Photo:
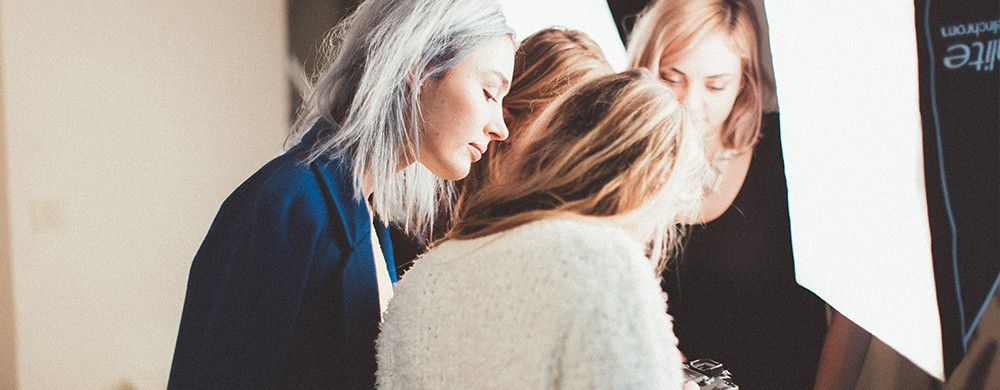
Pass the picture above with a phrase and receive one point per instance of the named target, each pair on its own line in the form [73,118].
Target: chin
[457,175]
[454,173]
[447,170]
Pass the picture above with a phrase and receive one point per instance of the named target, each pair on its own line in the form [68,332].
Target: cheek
[722,106]
[443,120]
[464,119]
[679,91]
[467,112]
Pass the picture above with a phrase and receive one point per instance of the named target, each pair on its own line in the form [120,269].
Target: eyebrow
[504,83]
[709,77]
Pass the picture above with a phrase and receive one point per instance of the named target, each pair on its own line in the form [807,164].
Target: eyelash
[670,81]
[489,96]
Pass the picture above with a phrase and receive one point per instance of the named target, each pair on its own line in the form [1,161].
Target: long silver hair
[376,61]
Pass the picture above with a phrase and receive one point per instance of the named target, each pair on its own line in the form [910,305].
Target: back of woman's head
[546,65]
[608,147]
[668,29]
[368,94]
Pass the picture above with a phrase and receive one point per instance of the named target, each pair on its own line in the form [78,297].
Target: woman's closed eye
[671,79]
[489,96]
[717,86]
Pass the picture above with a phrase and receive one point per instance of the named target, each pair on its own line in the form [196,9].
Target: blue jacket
[282,292]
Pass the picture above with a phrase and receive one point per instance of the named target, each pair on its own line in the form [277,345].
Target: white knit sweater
[556,304]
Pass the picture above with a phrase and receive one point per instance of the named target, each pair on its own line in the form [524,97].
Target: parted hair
[667,29]
[367,93]
[608,147]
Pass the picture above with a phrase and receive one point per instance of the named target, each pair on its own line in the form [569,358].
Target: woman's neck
[635,225]
[369,189]
[369,184]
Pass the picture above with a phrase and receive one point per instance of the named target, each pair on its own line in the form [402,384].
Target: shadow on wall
[8,362]
[309,21]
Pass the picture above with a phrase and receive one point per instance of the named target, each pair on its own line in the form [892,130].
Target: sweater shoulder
[596,244]
[576,250]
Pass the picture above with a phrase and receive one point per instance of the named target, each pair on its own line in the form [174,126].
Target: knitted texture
[565,304]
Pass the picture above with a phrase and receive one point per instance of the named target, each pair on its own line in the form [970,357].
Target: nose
[693,101]
[497,128]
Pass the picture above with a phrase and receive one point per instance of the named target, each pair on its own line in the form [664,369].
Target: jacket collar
[336,174]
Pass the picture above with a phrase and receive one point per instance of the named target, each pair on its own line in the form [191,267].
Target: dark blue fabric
[282,292]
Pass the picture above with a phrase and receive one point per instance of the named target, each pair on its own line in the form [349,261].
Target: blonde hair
[667,29]
[546,65]
[608,147]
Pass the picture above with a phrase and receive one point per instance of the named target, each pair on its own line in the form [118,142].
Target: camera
[709,375]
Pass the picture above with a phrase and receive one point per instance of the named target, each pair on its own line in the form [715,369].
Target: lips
[477,151]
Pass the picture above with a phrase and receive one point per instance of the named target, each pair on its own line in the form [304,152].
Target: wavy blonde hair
[546,65]
[604,149]
[667,29]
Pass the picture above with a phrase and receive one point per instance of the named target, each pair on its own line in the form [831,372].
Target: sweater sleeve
[621,336]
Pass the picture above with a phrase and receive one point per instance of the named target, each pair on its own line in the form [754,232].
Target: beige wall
[8,350]
[126,125]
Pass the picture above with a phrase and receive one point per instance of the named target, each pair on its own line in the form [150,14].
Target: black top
[732,291]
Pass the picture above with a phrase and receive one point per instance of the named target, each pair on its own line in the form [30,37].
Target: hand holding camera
[709,374]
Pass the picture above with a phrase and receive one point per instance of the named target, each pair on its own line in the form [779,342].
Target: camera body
[709,375]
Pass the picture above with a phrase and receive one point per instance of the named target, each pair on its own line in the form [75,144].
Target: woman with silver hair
[288,288]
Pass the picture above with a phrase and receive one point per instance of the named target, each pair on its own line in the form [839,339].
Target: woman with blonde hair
[545,281]
[288,288]
[733,292]
[546,65]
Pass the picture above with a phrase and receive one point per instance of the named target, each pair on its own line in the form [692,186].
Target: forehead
[491,54]
[712,56]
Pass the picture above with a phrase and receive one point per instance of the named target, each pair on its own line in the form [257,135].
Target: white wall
[126,125]
[592,17]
